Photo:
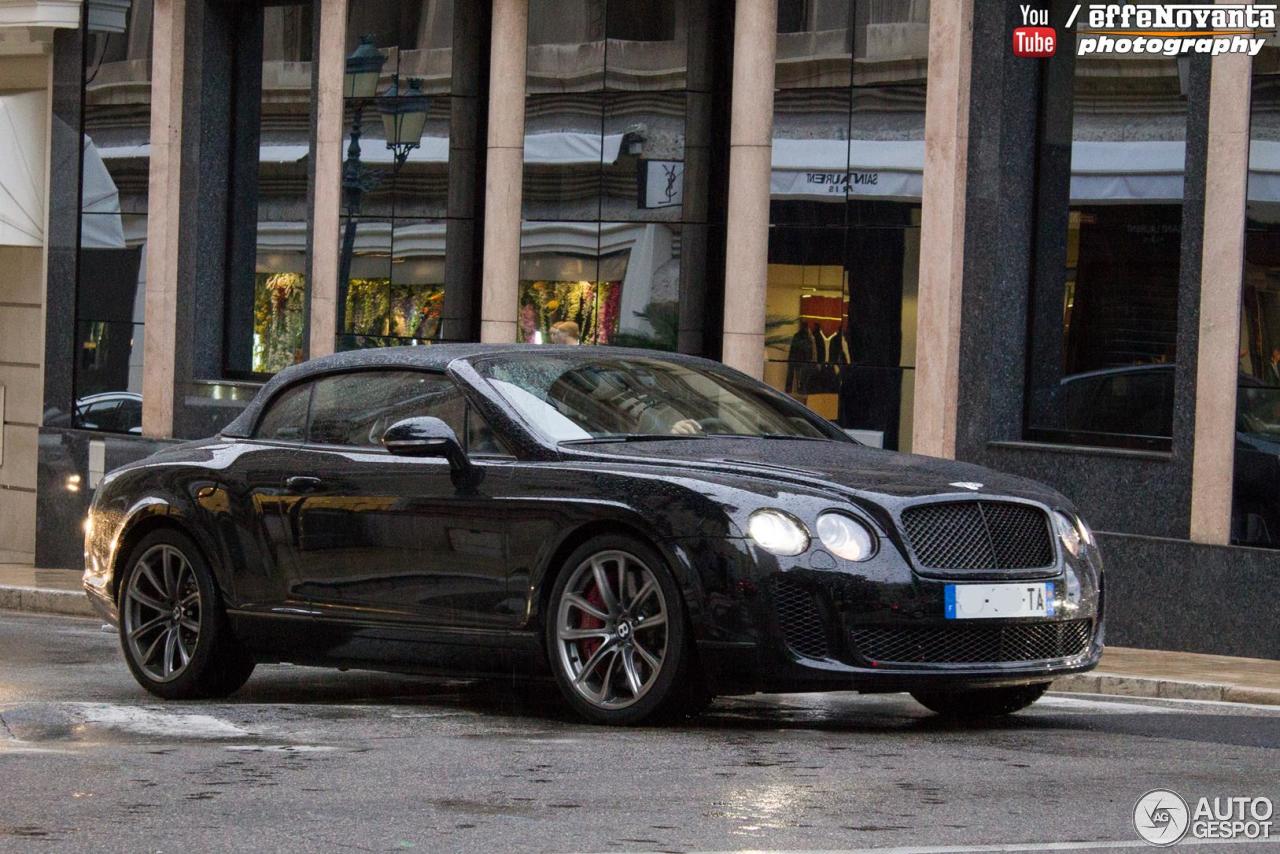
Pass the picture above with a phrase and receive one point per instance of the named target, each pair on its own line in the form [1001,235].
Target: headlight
[1068,533]
[777,532]
[846,537]
[1086,534]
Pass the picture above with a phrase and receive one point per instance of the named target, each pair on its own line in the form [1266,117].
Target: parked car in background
[648,530]
[109,411]
[1136,402]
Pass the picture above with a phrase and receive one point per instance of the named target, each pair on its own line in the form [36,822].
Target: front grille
[979,535]
[973,644]
[803,627]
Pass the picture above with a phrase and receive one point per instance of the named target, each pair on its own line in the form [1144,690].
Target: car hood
[847,467]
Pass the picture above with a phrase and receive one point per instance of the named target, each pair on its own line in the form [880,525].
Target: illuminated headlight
[777,532]
[1068,533]
[845,537]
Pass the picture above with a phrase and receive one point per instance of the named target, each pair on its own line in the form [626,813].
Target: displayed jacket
[801,354]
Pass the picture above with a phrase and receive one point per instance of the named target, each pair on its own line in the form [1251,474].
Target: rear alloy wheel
[976,703]
[174,633]
[616,633]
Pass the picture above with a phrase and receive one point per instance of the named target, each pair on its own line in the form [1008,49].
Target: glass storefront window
[266,291]
[618,135]
[395,290]
[848,162]
[409,203]
[1104,304]
[114,171]
[1255,518]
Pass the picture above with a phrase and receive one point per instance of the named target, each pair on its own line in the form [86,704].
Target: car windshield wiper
[633,437]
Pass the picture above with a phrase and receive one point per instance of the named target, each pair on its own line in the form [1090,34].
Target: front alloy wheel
[162,613]
[173,629]
[616,633]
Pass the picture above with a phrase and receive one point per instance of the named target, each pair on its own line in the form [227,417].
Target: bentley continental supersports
[647,530]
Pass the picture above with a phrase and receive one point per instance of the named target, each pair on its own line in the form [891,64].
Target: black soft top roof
[435,357]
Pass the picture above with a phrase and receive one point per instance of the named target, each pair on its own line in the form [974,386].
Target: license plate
[985,601]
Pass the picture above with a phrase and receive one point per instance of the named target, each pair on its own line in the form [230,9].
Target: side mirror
[427,436]
[424,437]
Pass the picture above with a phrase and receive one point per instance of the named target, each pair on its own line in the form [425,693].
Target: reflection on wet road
[318,760]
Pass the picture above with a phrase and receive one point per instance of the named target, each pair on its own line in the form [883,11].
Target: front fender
[115,522]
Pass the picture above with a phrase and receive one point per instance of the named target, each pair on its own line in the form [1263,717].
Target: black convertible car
[649,530]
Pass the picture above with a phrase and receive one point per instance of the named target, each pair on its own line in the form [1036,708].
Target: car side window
[101,416]
[130,415]
[355,409]
[481,438]
[286,417]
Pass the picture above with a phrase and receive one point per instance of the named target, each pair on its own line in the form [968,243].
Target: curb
[1164,689]
[33,600]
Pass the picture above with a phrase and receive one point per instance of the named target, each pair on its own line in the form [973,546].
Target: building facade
[1056,267]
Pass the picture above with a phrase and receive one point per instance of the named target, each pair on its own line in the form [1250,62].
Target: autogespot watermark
[1164,29]
[1163,818]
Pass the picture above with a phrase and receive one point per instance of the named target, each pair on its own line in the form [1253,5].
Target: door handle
[303,484]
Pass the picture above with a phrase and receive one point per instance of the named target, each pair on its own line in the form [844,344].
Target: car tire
[597,663]
[173,627]
[977,703]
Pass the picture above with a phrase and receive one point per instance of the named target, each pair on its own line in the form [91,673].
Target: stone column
[161,311]
[331,65]
[1221,274]
[504,172]
[750,164]
[942,218]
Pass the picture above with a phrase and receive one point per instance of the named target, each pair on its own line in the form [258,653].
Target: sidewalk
[42,591]
[1124,671]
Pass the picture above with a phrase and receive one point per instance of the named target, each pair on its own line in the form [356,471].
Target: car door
[395,538]
[271,499]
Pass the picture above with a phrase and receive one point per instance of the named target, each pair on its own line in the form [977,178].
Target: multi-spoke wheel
[162,612]
[616,632]
[174,633]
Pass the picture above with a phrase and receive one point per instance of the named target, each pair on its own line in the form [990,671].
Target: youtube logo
[1034,42]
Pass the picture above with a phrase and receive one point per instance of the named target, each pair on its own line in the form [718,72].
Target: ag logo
[1161,817]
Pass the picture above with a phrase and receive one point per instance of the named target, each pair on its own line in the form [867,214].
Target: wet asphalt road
[312,760]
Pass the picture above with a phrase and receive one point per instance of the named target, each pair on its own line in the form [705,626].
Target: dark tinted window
[481,438]
[1127,401]
[357,408]
[1104,298]
[286,417]
[100,415]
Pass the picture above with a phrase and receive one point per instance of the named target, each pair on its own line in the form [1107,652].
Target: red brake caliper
[586,621]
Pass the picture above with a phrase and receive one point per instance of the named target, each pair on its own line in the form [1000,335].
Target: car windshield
[1259,411]
[591,398]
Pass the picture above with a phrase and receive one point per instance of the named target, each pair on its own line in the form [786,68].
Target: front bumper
[879,626]
[100,599]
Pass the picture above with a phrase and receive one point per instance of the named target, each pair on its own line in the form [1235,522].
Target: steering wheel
[714,425]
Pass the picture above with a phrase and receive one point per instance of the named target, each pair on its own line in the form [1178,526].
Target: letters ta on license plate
[983,601]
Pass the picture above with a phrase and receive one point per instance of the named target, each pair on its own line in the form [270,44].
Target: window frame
[311,381]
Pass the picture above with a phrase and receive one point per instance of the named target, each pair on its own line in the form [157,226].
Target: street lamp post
[404,117]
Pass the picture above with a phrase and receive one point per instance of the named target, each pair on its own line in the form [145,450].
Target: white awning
[100,223]
[830,169]
[22,139]
[566,149]
[1101,172]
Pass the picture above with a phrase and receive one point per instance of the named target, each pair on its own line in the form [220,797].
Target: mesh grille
[979,535]
[803,628]
[972,644]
